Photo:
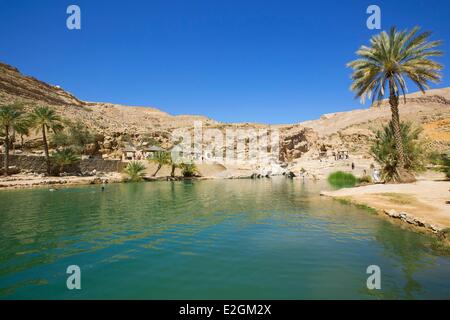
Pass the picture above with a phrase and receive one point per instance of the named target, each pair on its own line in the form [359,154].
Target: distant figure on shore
[376,175]
[353,166]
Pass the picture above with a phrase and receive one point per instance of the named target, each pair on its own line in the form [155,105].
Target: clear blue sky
[232,60]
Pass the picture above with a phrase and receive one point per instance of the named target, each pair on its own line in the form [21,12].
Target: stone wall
[37,164]
[102,165]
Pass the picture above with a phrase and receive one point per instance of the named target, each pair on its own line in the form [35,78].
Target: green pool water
[232,239]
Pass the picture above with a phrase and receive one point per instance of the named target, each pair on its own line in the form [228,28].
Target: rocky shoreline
[410,219]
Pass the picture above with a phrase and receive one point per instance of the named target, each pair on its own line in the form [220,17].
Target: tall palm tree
[386,63]
[44,119]
[161,158]
[10,115]
[173,164]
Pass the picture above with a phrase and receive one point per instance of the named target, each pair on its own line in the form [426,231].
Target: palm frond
[395,55]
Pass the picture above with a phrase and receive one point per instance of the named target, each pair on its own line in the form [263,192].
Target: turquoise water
[233,239]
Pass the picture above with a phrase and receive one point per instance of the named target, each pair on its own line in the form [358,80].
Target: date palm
[161,158]
[135,171]
[10,116]
[44,119]
[65,157]
[383,67]
[22,128]
[384,151]
[174,163]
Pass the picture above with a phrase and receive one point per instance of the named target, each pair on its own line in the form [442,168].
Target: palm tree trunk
[404,175]
[47,157]
[14,141]
[159,167]
[393,101]
[6,160]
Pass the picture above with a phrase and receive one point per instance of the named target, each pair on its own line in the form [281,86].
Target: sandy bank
[25,181]
[424,203]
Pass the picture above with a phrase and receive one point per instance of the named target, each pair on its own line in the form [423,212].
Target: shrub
[441,161]
[76,136]
[135,171]
[341,179]
[385,153]
[446,165]
[188,169]
[64,157]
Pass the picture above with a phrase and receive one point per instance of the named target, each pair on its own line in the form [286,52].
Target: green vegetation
[385,152]
[69,138]
[150,140]
[188,169]
[75,135]
[44,118]
[161,158]
[135,171]
[173,164]
[447,166]
[442,161]
[64,157]
[10,117]
[341,179]
[22,128]
[390,58]
[399,198]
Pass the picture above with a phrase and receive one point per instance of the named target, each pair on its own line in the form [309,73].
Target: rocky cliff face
[116,125]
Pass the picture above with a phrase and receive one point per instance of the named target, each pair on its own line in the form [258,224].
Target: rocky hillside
[337,131]
[13,85]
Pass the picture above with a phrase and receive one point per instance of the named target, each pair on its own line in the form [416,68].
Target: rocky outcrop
[410,219]
[296,141]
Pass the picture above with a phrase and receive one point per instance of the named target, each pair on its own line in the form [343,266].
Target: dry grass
[399,198]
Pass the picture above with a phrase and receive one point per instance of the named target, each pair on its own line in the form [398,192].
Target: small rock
[392,213]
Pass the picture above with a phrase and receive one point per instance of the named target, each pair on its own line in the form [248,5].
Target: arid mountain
[14,85]
[337,131]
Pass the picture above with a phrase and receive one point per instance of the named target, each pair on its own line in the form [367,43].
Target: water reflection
[232,236]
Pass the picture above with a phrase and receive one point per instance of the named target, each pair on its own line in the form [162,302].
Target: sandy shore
[25,181]
[423,203]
